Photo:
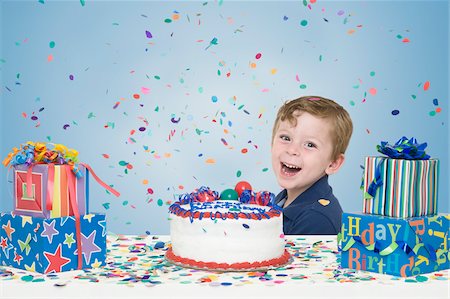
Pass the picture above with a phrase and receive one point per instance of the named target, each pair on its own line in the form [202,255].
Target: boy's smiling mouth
[289,169]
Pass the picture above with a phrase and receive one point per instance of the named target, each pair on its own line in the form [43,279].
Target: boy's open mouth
[289,169]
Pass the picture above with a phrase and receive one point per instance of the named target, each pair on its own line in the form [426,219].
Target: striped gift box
[400,188]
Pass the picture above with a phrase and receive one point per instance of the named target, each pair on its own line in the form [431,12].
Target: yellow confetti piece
[273,71]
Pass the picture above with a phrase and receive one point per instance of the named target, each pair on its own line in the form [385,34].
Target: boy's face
[301,154]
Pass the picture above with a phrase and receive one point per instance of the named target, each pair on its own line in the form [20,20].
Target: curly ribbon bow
[404,148]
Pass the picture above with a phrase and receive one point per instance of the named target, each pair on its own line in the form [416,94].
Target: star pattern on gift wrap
[88,217]
[25,245]
[8,229]
[103,226]
[26,219]
[96,264]
[49,231]
[31,268]
[88,246]
[6,247]
[69,240]
[55,260]
[17,257]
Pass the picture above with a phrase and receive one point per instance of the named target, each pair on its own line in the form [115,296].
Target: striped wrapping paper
[409,187]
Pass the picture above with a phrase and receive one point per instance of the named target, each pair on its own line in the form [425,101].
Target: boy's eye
[284,138]
[310,145]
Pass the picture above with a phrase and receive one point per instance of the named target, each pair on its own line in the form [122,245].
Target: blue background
[214,101]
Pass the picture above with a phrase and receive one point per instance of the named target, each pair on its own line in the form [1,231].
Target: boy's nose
[293,149]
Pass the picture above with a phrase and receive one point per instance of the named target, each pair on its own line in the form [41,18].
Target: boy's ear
[335,165]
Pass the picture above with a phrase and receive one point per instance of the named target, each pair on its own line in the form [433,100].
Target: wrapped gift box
[44,189]
[51,245]
[399,187]
[389,245]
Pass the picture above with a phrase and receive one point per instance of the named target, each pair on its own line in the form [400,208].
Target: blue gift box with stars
[51,245]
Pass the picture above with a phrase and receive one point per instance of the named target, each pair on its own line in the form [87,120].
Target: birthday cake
[230,232]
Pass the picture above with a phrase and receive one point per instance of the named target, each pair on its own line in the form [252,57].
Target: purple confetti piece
[148,34]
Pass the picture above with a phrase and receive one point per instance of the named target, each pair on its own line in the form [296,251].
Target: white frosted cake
[227,234]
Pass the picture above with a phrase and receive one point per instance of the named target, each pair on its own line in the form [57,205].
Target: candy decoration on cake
[240,230]
[404,184]
[242,186]
[229,194]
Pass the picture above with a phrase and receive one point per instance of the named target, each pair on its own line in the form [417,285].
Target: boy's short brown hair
[341,123]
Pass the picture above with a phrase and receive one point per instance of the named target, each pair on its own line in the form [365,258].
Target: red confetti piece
[136,96]
[244,150]
[426,86]
[258,56]
[106,156]
[24,115]
[405,40]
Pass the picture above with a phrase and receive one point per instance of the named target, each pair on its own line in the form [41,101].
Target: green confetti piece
[432,113]
[181,80]
[49,138]
[157,108]
[125,202]
[421,278]
[52,44]
[167,21]
[303,23]
[265,169]
[157,77]
[115,24]
[413,96]
[320,57]
[218,72]
[411,280]
[238,173]
[2,60]
[123,163]
[399,36]
[106,205]
[303,86]
[352,103]
[27,278]
[160,202]
[83,3]
[200,89]
[372,73]
[240,107]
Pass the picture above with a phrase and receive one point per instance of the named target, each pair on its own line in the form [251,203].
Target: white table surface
[136,270]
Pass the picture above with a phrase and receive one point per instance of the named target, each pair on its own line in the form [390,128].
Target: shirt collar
[319,189]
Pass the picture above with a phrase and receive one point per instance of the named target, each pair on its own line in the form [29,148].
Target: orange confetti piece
[426,86]
[244,150]
[181,187]
[438,109]
[167,155]
[210,161]
[405,40]
[145,181]
[50,58]
[106,156]
[175,17]
[136,96]
[351,31]
[253,65]
[24,114]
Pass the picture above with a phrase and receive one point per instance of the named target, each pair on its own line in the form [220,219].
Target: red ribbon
[103,184]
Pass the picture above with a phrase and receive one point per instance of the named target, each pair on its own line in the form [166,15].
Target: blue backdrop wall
[160,97]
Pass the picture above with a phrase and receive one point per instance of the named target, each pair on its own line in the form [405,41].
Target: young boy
[309,139]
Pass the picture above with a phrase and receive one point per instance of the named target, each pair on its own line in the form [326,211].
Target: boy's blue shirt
[307,216]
